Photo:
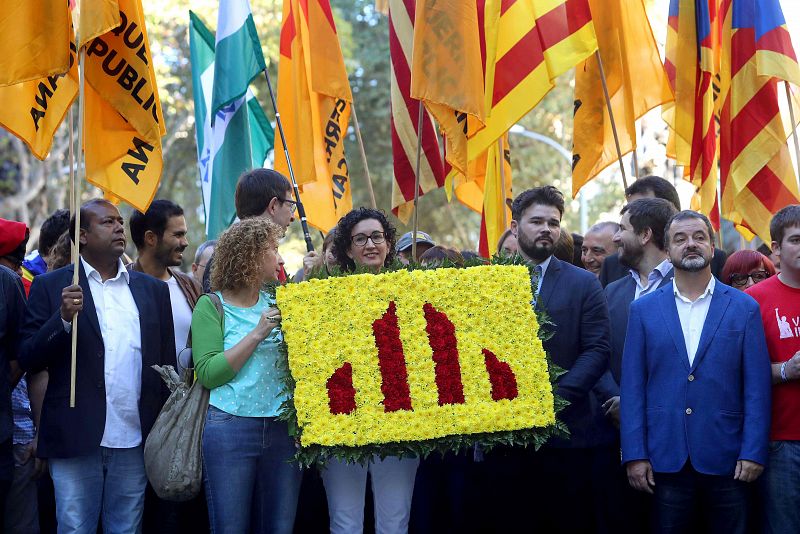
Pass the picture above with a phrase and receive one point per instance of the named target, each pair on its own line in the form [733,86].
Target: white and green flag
[241,135]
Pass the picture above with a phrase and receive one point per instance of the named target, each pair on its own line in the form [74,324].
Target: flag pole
[794,130]
[301,211]
[363,157]
[75,188]
[611,117]
[502,179]
[416,182]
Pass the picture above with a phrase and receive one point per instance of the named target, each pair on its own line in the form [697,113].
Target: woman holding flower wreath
[365,240]
[251,487]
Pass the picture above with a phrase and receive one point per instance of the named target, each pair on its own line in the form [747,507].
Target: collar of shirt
[709,291]
[91,272]
[655,276]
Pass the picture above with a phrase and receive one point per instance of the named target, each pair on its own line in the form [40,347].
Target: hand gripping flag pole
[301,211]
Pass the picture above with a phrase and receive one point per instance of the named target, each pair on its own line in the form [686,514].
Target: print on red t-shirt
[780,313]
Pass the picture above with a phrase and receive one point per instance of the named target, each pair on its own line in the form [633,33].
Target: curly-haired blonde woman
[250,485]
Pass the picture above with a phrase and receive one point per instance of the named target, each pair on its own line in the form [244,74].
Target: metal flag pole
[301,211]
[364,157]
[416,183]
[611,116]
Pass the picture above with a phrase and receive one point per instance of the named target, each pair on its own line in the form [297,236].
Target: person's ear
[150,238]
[272,207]
[514,227]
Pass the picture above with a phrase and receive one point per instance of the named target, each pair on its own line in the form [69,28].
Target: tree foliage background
[30,190]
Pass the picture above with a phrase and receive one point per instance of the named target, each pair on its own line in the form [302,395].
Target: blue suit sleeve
[633,424]
[44,339]
[595,350]
[757,391]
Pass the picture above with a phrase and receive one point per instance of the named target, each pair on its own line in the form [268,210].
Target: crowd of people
[682,375]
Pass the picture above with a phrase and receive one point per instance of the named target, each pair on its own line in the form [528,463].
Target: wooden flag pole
[363,157]
[794,131]
[502,180]
[75,188]
[301,210]
[416,182]
[611,117]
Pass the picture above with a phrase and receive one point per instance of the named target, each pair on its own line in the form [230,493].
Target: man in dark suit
[553,486]
[695,390]
[651,187]
[95,450]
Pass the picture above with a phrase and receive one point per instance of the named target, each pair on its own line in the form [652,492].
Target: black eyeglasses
[292,203]
[360,240]
[740,279]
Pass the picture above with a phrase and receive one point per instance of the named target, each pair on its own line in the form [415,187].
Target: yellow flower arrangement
[374,362]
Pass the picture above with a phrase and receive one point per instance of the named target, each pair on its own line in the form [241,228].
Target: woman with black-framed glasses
[746,268]
[366,240]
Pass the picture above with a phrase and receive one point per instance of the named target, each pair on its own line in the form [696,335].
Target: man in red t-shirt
[779,299]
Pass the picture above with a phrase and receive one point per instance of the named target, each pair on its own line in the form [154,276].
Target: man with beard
[160,238]
[95,449]
[695,390]
[553,485]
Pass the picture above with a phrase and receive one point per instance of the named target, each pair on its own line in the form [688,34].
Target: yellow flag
[96,18]
[34,40]
[446,71]
[124,124]
[34,110]
[637,82]
[314,101]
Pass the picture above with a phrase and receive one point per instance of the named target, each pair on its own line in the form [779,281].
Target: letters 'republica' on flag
[239,140]
[405,114]
[35,38]
[238,52]
[756,170]
[487,189]
[314,101]
[34,110]
[692,64]
[529,43]
[636,79]
[446,70]
[122,140]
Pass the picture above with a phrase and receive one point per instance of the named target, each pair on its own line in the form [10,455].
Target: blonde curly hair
[239,252]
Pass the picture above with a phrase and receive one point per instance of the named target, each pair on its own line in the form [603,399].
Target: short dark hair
[341,241]
[785,218]
[155,219]
[51,230]
[546,195]
[684,215]
[256,189]
[85,217]
[660,187]
[653,213]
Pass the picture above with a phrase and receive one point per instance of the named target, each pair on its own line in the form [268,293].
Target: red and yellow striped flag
[446,71]
[636,83]
[314,101]
[693,65]
[756,169]
[405,115]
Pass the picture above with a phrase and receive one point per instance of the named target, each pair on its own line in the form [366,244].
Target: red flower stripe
[442,339]
[504,383]
[341,393]
[392,362]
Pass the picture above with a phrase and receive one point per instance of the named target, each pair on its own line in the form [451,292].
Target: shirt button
[688,411]
[691,378]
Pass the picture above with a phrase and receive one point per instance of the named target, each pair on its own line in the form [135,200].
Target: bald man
[597,244]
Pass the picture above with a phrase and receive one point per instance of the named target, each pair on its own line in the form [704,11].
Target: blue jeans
[251,487]
[108,481]
[780,488]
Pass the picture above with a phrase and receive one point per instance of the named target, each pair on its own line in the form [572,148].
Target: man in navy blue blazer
[695,390]
[95,450]
[573,298]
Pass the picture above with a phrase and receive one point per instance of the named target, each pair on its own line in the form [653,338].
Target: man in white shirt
[695,403]
[95,449]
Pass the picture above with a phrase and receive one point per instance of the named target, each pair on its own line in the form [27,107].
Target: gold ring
[76,301]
